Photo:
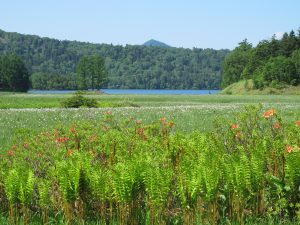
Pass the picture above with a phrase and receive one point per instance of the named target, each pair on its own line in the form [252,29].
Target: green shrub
[78,101]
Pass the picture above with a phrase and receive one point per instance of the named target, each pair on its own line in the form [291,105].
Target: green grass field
[249,145]
[17,100]
[33,113]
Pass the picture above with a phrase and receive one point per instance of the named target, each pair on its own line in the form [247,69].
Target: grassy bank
[246,87]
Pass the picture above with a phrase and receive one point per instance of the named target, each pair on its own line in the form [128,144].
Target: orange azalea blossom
[234,126]
[269,113]
[297,123]
[289,149]
[276,125]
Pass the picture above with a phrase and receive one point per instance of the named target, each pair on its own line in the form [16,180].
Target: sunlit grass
[36,112]
[186,117]
[54,100]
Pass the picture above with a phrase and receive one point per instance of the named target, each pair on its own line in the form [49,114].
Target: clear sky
[179,23]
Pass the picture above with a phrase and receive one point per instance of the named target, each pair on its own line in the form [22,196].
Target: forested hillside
[156,43]
[272,63]
[52,63]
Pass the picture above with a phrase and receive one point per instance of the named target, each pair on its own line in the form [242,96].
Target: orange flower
[234,126]
[70,152]
[238,134]
[276,125]
[26,145]
[171,124]
[269,113]
[62,140]
[11,153]
[140,131]
[93,138]
[297,123]
[289,149]
[73,130]
[163,119]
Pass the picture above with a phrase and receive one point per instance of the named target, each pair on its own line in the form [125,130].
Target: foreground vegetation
[131,172]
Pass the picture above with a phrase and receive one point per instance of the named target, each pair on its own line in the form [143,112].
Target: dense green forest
[13,73]
[52,63]
[274,63]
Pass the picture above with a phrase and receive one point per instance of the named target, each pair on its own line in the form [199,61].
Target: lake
[134,92]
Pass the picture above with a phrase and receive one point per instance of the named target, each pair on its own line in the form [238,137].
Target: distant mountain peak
[156,43]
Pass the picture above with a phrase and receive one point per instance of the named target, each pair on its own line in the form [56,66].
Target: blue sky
[179,23]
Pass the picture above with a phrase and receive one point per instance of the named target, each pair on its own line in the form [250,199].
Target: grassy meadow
[19,100]
[37,112]
[150,159]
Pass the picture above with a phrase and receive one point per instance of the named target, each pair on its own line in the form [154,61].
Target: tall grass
[131,172]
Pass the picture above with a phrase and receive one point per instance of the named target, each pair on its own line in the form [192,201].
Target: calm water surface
[134,92]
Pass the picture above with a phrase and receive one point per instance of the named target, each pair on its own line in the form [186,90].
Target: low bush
[78,101]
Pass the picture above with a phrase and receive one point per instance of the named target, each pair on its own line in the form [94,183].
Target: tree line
[13,74]
[273,63]
[52,64]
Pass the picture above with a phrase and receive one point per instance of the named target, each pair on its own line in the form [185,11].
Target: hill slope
[246,87]
[155,43]
[271,64]
[53,63]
